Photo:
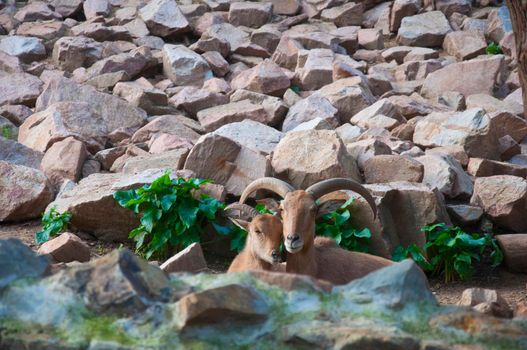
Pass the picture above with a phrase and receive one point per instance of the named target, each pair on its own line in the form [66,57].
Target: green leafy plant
[295,88]
[7,132]
[494,49]
[337,225]
[453,251]
[53,223]
[171,215]
[412,252]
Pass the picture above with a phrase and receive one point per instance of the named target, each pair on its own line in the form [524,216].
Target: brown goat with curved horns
[321,257]
[264,236]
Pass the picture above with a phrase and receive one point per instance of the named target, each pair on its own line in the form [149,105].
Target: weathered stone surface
[499,23]
[132,63]
[190,259]
[177,125]
[457,152]
[67,247]
[171,159]
[28,49]
[164,18]
[64,160]
[215,117]
[192,100]
[47,31]
[26,264]
[513,247]
[505,123]
[266,78]
[504,200]
[67,8]
[470,129]
[491,104]
[36,11]
[371,39]
[479,167]
[315,68]
[427,29]
[478,76]
[114,112]
[306,157]
[362,150]
[94,8]
[240,304]
[253,135]
[227,162]
[308,109]
[18,154]
[62,120]
[250,14]
[276,108]
[145,96]
[349,14]
[401,9]
[390,168]
[348,96]
[446,174]
[497,305]
[25,192]
[465,45]
[161,143]
[285,7]
[463,214]
[184,67]
[19,88]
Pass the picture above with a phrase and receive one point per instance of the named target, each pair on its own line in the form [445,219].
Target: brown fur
[321,257]
[264,238]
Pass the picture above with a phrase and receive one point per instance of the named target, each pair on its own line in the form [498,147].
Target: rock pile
[144,308]
[401,95]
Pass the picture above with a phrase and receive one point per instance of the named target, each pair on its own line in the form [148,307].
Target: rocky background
[99,95]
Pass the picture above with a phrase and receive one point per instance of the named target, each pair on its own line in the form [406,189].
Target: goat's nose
[275,254]
[293,237]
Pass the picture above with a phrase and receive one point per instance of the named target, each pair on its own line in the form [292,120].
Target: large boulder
[446,174]
[62,120]
[19,88]
[115,112]
[67,247]
[306,157]
[465,45]
[266,78]
[470,129]
[72,52]
[504,200]
[164,18]
[95,211]
[250,14]
[227,163]
[426,29]
[26,265]
[308,109]
[184,67]
[64,160]
[176,125]
[349,96]
[477,76]
[251,134]
[28,49]
[218,116]
[25,192]
[18,154]
[390,168]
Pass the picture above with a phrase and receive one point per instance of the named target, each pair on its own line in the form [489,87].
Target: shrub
[494,49]
[337,225]
[453,251]
[53,223]
[171,215]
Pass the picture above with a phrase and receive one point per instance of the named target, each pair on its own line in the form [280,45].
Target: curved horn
[323,187]
[279,187]
[232,209]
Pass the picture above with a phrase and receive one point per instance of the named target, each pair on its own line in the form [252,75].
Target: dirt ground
[512,286]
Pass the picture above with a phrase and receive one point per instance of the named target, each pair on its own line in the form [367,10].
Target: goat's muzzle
[293,243]
[277,258]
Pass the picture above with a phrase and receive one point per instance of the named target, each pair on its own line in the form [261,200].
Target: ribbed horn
[327,186]
[275,185]
[235,210]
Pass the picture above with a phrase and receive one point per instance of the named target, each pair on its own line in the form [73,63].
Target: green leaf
[209,206]
[167,201]
[188,215]
[150,218]
[123,197]
[364,233]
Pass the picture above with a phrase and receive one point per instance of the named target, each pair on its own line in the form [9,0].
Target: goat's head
[299,208]
[264,231]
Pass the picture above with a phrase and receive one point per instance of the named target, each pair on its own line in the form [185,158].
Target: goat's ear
[241,223]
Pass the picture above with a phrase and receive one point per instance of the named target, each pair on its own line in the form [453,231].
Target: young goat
[317,257]
[262,247]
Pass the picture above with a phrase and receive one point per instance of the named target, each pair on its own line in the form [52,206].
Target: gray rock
[427,29]
[26,265]
[164,18]
[185,67]
[28,49]
[309,108]
[251,134]
[19,88]
[16,153]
